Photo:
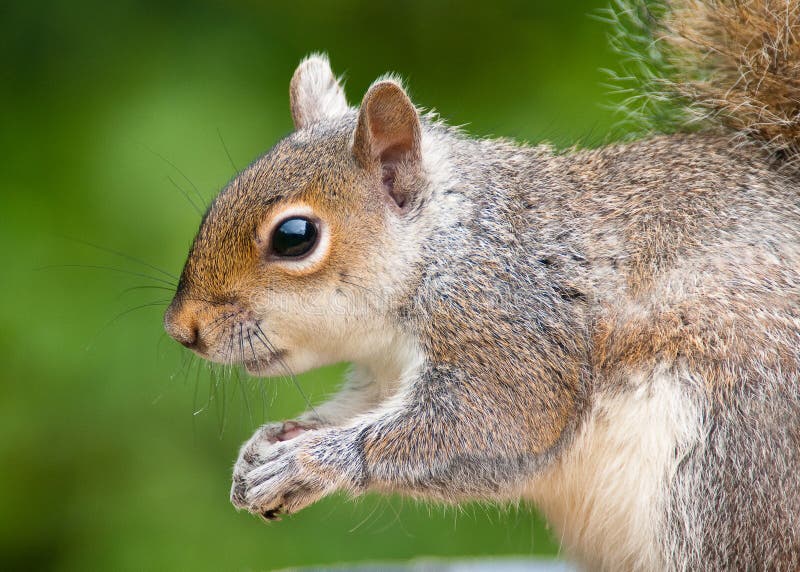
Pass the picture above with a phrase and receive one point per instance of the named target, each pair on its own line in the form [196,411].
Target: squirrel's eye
[294,237]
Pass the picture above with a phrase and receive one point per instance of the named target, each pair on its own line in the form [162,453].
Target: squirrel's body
[678,295]
[613,334]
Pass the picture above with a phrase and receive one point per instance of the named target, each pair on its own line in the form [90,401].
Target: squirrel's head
[298,260]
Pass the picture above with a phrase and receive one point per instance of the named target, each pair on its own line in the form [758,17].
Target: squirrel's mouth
[264,364]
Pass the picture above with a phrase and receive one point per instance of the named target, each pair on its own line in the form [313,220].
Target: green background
[115,447]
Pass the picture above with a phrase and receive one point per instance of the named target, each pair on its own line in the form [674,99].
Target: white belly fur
[606,497]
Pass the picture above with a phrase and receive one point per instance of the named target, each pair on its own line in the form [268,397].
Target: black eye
[294,237]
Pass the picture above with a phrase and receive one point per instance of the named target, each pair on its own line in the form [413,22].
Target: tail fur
[729,63]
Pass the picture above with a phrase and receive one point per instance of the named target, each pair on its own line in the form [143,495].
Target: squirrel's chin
[265,366]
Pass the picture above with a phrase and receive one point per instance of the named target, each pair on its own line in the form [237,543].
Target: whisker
[288,370]
[227,152]
[285,376]
[120,315]
[181,173]
[147,287]
[357,285]
[262,391]
[245,399]
[123,255]
[241,343]
[237,373]
[221,412]
[217,390]
[160,343]
[228,368]
[109,269]
[352,276]
[186,364]
[195,409]
[260,385]
[139,307]
[369,298]
[186,196]
[250,341]
[219,321]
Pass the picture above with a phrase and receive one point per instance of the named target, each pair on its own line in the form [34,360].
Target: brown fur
[520,320]
[721,308]
[739,60]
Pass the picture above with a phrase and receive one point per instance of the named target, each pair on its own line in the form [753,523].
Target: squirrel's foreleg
[434,439]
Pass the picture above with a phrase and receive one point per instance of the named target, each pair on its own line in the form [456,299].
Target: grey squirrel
[612,334]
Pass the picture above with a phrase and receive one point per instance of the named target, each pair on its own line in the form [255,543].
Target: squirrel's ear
[387,133]
[315,93]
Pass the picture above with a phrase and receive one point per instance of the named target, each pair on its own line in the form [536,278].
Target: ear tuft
[315,93]
[388,133]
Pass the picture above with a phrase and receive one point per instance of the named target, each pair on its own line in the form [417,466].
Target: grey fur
[519,290]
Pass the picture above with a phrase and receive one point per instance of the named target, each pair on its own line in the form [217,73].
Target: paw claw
[272,514]
[269,479]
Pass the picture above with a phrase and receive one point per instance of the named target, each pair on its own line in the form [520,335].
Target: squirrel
[612,334]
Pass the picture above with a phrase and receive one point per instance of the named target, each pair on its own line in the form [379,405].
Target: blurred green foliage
[116,448]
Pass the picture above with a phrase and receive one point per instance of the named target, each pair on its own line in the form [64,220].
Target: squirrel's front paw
[271,476]
[264,438]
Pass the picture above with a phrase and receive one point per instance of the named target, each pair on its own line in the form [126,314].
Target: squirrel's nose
[182,324]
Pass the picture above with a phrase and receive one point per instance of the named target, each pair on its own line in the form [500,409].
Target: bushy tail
[734,63]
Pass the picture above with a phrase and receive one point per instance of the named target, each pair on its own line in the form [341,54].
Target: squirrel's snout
[181,323]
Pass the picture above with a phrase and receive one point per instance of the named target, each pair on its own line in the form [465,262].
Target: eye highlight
[294,237]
